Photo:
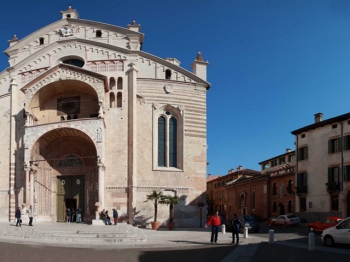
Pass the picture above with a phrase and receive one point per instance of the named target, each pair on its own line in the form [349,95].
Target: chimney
[239,168]
[318,117]
[288,150]
[13,41]
[199,67]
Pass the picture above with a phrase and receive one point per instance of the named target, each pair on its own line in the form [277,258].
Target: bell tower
[69,13]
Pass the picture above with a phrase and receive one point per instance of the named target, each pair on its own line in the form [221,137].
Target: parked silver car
[337,234]
[285,220]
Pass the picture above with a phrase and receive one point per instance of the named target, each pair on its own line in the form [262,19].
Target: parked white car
[337,234]
[285,220]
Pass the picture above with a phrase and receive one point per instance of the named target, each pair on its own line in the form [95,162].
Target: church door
[70,194]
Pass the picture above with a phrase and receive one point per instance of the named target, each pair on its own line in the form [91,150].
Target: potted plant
[171,201]
[156,198]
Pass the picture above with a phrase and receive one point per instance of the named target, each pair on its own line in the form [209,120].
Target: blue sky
[273,64]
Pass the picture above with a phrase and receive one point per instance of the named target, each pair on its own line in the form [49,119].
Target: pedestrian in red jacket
[215,222]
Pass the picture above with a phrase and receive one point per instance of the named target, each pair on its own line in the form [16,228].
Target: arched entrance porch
[66,174]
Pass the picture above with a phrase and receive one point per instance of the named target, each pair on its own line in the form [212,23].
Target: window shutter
[305,179]
[329,175]
[306,153]
[298,180]
[329,146]
[340,144]
[298,151]
[346,143]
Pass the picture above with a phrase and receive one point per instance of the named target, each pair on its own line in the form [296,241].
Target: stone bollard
[223,229]
[245,232]
[311,241]
[271,236]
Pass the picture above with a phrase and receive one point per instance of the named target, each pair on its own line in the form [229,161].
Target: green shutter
[298,152]
[306,152]
[346,142]
[329,146]
[330,175]
[305,179]
[340,144]
[298,180]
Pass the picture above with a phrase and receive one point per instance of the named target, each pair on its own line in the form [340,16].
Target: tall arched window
[290,206]
[111,100]
[274,207]
[274,189]
[98,33]
[120,83]
[112,83]
[168,137]
[253,200]
[119,99]
[161,141]
[172,142]
[168,74]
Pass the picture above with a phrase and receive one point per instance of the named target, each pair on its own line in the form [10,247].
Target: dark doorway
[72,205]
[282,210]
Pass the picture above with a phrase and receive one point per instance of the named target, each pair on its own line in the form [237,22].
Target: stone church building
[89,119]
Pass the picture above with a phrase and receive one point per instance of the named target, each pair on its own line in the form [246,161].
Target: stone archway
[66,161]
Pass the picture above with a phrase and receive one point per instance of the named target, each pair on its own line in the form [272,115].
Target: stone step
[119,234]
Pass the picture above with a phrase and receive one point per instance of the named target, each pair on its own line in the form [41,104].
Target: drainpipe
[296,166]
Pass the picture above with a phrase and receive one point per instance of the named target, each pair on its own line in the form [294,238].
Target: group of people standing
[18,216]
[106,218]
[70,215]
[215,222]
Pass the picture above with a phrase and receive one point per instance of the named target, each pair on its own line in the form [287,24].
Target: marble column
[101,184]
[31,175]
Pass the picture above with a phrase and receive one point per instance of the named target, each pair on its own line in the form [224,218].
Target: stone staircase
[62,233]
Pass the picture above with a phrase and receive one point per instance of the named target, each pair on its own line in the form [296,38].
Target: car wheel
[328,241]
[285,224]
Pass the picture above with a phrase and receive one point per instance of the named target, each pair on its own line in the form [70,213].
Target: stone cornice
[69,21]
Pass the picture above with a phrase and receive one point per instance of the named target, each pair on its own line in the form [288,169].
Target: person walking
[236,226]
[79,211]
[69,215]
[215,222]
[18,216]
[115,216]
[30,215]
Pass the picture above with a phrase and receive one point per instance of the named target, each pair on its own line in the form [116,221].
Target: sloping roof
[322,123]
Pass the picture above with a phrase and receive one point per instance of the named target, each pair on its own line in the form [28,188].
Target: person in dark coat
[18,217]
[115,216]
[236,226]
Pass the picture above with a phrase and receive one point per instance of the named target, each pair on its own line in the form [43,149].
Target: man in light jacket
[30,215]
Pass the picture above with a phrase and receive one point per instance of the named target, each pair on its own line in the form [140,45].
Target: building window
[334,126]
[334,145]
[120,83]
[334,203]
[167,138]
[111,100]
[274,189]
[281,189]
[112,83]
[303,135]
[289,187]
[291,158]
[303,153]
[98,33]
[168,74]
[282,161]
[41,40]
[302,183]
[162,141]
[68,15]
[253,200]
[119,99]
[289,207]
[333,179]
[347,142]
[74,62]
[273,163]
[274,207]
[266,166]
[303,204]
[347,173]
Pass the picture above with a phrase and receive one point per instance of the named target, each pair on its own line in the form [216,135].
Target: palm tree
[171,201]
[156,197]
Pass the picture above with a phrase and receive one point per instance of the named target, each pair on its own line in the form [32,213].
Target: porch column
[101,184]
[31,174]
[27,199]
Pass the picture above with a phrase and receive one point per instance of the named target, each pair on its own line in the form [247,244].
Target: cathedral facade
[89,119]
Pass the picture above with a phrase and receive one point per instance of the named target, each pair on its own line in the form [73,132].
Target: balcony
[333,186]
[301,190]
